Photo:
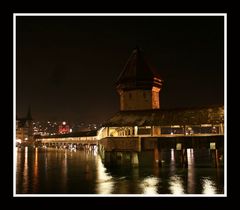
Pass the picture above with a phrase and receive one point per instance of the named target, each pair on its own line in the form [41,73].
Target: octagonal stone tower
[138,84]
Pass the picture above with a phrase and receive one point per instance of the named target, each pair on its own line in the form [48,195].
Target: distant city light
[64,128]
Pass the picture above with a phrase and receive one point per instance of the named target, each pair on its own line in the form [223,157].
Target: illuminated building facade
[63,128]
[141,126]
[140,115]
[24,128]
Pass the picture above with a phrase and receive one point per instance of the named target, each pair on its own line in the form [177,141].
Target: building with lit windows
[24,129]
[139,89]
[63,128]
[140,116]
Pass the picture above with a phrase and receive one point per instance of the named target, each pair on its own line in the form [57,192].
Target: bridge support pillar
[214,154]
[182,153]
[215,158]
[134,159]
[107,157]
[185,160]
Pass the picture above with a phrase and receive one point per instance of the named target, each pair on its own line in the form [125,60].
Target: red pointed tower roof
[138,74]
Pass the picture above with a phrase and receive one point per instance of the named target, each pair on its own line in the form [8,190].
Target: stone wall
[148,143]
[121,144]
[139,100]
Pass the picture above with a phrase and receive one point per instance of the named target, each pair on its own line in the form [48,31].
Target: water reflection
[172,156]
[64,170]
[95,151]
[25,171]
[176,185]
[149,185]
[35,170]
[83,172]
[208,186]
[104,181]
[175,181]
[191,172]
[172,163]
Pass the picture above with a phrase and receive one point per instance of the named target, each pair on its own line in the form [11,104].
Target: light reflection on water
[191,172]
[35,170]
[64,174]
[149,185]
[83,172]
[208,186]
[104,182]
[176,185]
[25,170]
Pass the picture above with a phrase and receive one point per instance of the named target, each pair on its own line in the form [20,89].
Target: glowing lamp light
[64,123]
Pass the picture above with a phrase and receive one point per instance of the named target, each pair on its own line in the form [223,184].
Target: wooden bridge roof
[167,117]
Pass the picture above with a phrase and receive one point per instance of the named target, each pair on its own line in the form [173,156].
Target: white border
[14,105]
[225,104]
[119,14]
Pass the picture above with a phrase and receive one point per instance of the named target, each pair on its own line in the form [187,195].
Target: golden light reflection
[176,185]
[149,185]
[18,157]
[35,170]
[36,162]
[46,164]
[95,151]
[172,163]
[105,183]
[25,171]
[172,156]
[18,160]
[208,186]
[64,169]
[190,157]
[87,172]
[191,171]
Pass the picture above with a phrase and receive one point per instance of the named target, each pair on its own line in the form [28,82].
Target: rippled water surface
[54,171]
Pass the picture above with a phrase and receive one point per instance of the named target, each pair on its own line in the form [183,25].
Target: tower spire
[29,113]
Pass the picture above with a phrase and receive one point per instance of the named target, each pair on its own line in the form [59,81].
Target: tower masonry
[139,84]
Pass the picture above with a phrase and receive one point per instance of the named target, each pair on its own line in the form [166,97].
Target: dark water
[52,171]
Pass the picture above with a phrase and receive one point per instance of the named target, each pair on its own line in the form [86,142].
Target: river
[54,171]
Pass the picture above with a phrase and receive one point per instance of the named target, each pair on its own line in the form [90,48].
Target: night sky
[67,66]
